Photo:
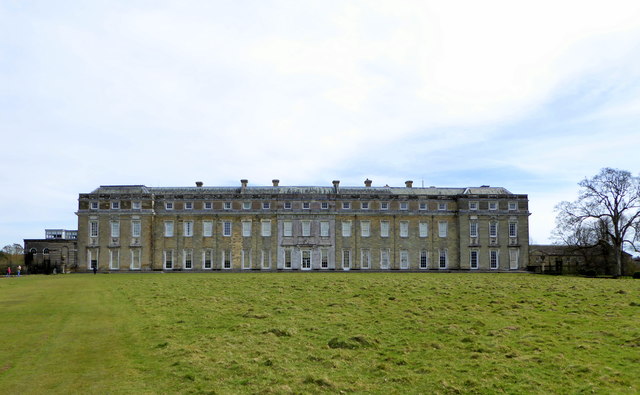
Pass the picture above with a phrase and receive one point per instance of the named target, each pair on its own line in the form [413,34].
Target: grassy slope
[397,333]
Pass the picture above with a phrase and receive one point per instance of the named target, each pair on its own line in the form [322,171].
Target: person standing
[95,269]
[19,270]
[8,271]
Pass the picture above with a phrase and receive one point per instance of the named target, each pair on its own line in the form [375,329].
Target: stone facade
[123,228]
[56,253]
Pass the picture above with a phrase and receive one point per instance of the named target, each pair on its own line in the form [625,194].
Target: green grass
[313,332]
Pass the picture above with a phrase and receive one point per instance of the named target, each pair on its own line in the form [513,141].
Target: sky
[533,96]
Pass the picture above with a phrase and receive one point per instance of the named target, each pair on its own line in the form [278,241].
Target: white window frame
[513,229]
[443,228]
[494,259]
[208,206]
[404,229]
[207,228]
[136,205]
[443,259]
[246,228]
[493,229]
[514,259]
[324,205]
[473,228]
[115,229]
[187,259]
[442,206]
[227,228]
[324,258]
[136,228]
[167,257]
[265,259]
[346,205]
[324,228]
[227,262]
[136,259]
[404,259]
[245,259]
[474,259]
[207,253]
[423,229]
[513,206]
[424,260]
[168,206]
[365,228]
[473,205]
[384,228]
[385,258]
[306,262]
[115,205]
[384,205]
[266,205]
[346,228]
[287,205]
[365,258]
[94,228]
[493,205]
[90,254]
[364,205]
[246,205]
[188,205]
[114,259]
[94,205]
[168,229]
[305,228]
[346,259]
[287,257]
[265,228]
[423,206]
[287,229]
[187,229]
[227,205]
[306,206]
[404,206]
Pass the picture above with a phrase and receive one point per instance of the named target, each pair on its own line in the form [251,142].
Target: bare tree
[607,212]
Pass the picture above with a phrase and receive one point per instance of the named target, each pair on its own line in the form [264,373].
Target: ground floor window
[168,259]
[136,258]
[346,259]
[514,255]
[473,259]
[305,260]
[287,258]
[207,259]
[187,260]
[92,258]
[324,258]
[365,259]
[494,259]
[226,259]
[424,259]
[443,261]
[265,259]
[404,259]
[384,259]
[246,259]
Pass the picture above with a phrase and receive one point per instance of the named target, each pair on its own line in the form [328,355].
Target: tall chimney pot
[276,182]
[336,185]
[409,184]
[199,184]
[367,183]
[244,184]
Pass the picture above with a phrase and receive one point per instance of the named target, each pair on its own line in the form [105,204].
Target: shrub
[636,275]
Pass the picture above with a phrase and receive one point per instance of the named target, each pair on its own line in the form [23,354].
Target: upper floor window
[136,205]
[226,228]
[346,228]
[115,228]
[324,205]
[115,205]
[208,205]
[442,206]
[423,229]
[266,205]
[246,205]
[513,206]
[136,227]
[473,229]
[168,205]
[93,228]
[404,228]
[246,228]
[306,228]
[346,205]
[364,205]
[384,205]
[168,228]
[384,228]
[287,205]
[227,205]
[188,205]
[473,205]
[404,206]
[493,205]
[207,228]
[306,205]
[287,228]
[187,228]
[443,228]
[423,205]
[513,229]
[493,229]
[94,205]
[365,228]
[266,227]
[324,228]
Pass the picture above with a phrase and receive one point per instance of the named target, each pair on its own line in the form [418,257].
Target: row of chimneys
[336,183]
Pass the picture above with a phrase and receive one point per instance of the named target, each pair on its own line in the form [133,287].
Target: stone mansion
[269,228]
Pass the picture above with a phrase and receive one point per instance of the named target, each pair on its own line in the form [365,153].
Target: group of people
[9,271]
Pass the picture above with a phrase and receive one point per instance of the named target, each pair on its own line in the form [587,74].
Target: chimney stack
[199,184]
[367,183]
[336,186]
[409,184]
[244,184]
[275,182]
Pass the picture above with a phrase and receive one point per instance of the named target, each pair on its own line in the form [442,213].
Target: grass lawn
[315,332]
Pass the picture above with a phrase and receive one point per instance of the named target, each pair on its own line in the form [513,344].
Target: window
[136,205]
[365,259]
[473,259]
[306,228]
[136,227]
[404,228]
[207,259]
[207,228]
[265,259]
[208,205]
[364,205]
[45,251]
[226,259]
[423,206]
[287,258]
[94,205]
[114,259]
[287,205]
[305,260]
[324,228]
[384,205]
[514,255]
[246,205]
[423,229]
[513,229]
[187,227]
[424,259]
[473,229]
[33,251]
[442,206]
[404,206]
[245,258]
[246,228]
[443,228]
[384,228]
[346,228]
[443,261]
[493,205]
[168,228]
[168,259]
[493,229]
[473,206]
[365,228]
[227,205]
[93,228]
[92,258]
[115,228]
[266,205]
[324,258]
[494,259]
[306,205]
[346,205]
[404,259]
[188,205]
[115,205]
[384,259]
[187,259]
[324,205]
[513,206]
[135,259]
[168,205]
[266,227]
[287,228]
[226,228]
[346,259]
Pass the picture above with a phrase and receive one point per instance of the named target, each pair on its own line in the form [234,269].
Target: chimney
[336,186]
[199,184]
[244,184]
[275,182]
[409,184]
[367,183]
